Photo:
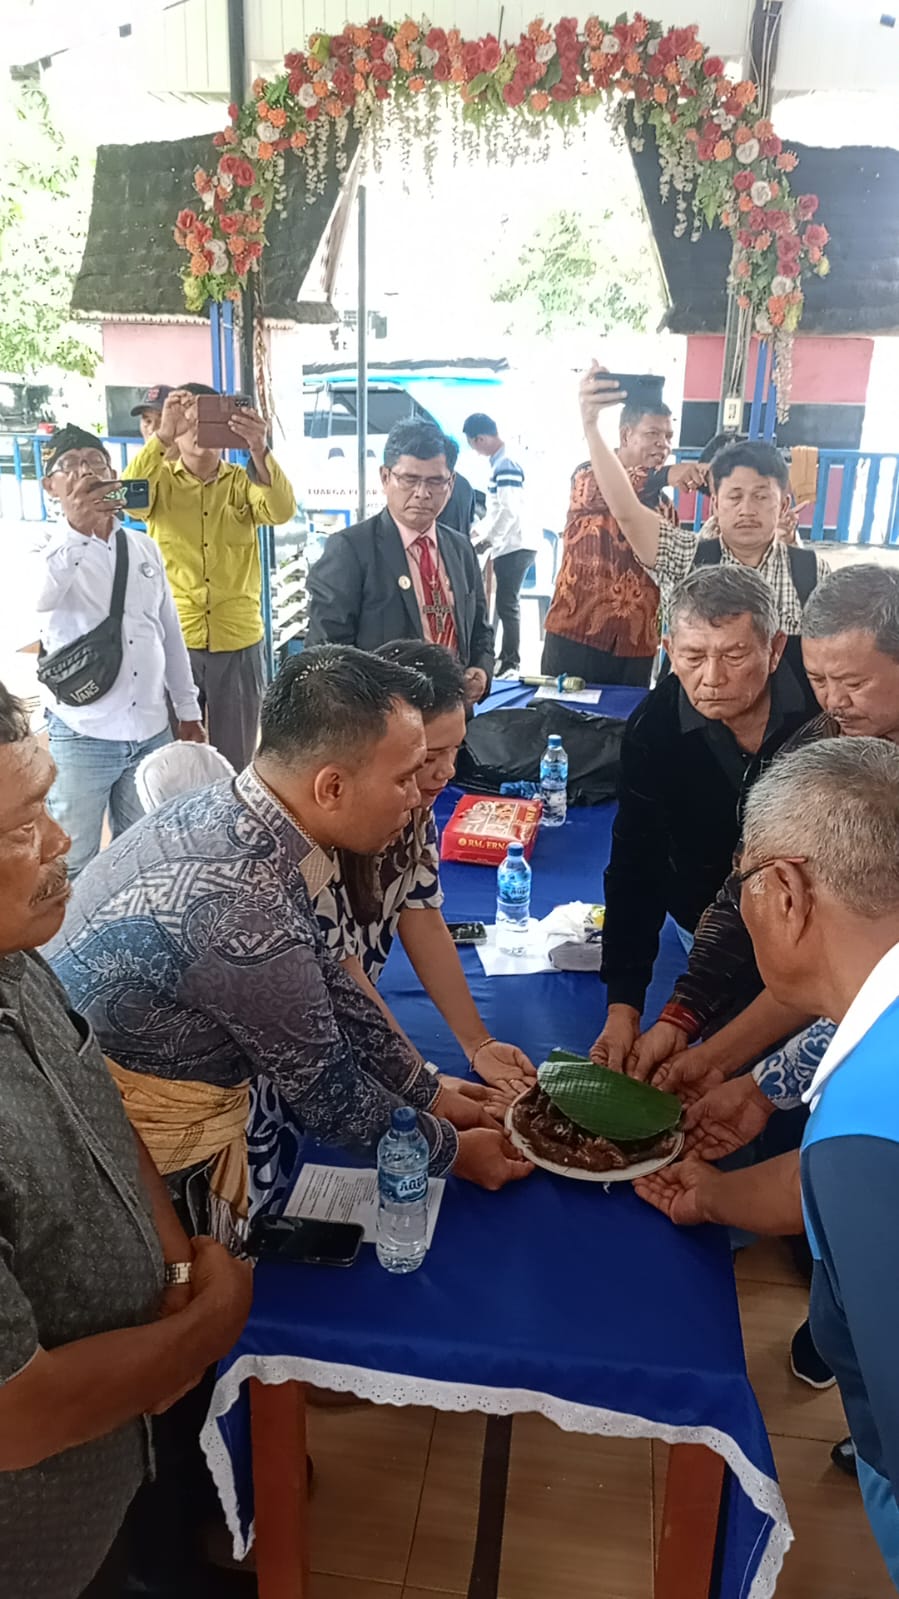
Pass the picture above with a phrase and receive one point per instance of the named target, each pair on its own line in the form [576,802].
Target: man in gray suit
[402,574]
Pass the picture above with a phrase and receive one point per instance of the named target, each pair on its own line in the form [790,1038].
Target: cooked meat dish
[554,1136]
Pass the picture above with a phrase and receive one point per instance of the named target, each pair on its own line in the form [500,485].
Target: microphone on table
[564,685]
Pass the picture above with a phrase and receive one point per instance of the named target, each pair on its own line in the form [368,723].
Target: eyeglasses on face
[70,464]
[411,482]
[734,884]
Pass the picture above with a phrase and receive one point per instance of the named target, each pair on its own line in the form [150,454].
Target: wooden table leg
[686,1555]
[280,1492]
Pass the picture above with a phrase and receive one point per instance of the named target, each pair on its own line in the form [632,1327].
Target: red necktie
[437,613]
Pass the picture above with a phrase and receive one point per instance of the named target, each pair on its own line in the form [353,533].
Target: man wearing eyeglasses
[402,573]
[98,742]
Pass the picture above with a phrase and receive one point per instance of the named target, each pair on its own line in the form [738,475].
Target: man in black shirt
[690,753]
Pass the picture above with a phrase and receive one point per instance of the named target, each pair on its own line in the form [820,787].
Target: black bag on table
[506,747]
[83,671]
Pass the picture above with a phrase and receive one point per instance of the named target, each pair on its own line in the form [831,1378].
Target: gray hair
[835,802]
[714,593]
[858,599]
[14,720]
[414,436]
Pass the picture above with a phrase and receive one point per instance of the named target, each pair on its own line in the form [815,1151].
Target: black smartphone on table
[133,495]
[467,932]
[299,1240]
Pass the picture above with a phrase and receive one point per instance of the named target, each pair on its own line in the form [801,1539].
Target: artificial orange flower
[660,95]
[727,220]
[416,85]
[744,270]
[743,301]
[695,52]
[775,190]
[320,89]
[744,203]
[625,86]
[360,37]
[745,93]
[692,136]
[230,136]
[359,83]
[458,74]
[406,33]
[263,110]
[723,150]
[539,100]
[762,242]
[764,129]
[743,134]
[597,59]
[233,294]
[266,150]
[584,87]
[593,32]
[407,60]
[299,140]
[534,28]
[236,244]
[198,266]
[454,41]
[639,28]
[259,87]
[334,107]
[277,117]
[787,161]
[631,62]
[672,72]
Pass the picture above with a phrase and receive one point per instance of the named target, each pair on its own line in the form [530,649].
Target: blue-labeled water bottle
[513,902]
[554,783]
[402,1193]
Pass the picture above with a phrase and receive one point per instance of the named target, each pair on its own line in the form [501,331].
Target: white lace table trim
[390,1388]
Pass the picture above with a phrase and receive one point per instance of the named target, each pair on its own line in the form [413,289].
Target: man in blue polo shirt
[507,531]
[820,896]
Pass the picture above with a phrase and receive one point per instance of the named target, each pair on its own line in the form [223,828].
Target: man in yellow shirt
[203,514]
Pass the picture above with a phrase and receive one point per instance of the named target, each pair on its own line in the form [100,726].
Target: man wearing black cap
[204,514]
[148,409]
[99,740]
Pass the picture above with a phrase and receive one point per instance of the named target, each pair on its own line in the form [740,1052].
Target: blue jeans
[94,775]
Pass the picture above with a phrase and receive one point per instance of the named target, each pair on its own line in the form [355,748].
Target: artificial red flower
[713,67]
[491,54]
[561,92]
[257,202]
[772,146]
[436,40]
[816,236]
[743,181]
[231,222]
[218,140]
[806,206]
[471,59]
[441,70]
[187,220]
[514,92]
[381,73]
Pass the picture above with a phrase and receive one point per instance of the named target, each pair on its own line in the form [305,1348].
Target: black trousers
[565,657]
[509,571]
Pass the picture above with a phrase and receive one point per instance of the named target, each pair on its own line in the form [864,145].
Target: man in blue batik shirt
[820,898]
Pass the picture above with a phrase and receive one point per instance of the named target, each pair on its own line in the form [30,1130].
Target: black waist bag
[506,746]
[83,671]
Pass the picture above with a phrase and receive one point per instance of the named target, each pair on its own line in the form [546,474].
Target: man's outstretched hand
[683,1192]
[727,1118]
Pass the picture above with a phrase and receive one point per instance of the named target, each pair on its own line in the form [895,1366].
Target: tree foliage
[42,225]
[569,277]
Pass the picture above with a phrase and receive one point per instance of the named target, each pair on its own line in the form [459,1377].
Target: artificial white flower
[428,57]
[250,147]
[724,122]
[226,182]
[747,153]
[307,96]
[545,52]
[208,199]
[763,323]
[782,285]
[610,45]
[265,133]
[219,255]
[390,55]
[760,193]
[652,48]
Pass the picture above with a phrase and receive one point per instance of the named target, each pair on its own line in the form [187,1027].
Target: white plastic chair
[178,768]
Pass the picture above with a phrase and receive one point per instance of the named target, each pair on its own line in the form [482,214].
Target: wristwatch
[177,1273]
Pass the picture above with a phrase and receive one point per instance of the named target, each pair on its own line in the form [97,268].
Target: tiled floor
[393,1515]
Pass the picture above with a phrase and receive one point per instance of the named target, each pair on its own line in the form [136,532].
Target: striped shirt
[677,552]
[505,525]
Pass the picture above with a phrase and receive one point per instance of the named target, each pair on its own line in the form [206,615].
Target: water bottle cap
[404,1119]
[555,740]
[516,850]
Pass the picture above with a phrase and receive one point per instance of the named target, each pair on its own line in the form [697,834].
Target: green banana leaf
[605,1103]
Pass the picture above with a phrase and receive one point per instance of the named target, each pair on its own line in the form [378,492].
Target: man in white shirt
[505,530]
[98,746]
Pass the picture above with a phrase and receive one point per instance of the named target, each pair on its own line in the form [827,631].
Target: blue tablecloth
[614,700]
[566,1298]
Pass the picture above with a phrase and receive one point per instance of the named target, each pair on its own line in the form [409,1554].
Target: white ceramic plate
[625,1174]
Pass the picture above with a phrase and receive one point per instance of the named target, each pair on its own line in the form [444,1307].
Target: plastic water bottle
[554,783]
[513,902]
[402,1193]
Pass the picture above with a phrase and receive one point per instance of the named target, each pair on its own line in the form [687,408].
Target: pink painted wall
[830,370]
[146,353]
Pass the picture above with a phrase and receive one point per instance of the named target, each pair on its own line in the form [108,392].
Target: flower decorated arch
[725,165]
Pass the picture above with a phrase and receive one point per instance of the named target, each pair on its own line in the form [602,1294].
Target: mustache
[53,885]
